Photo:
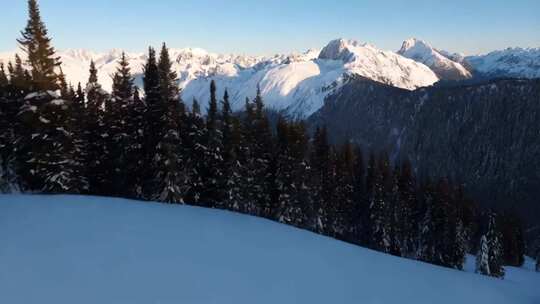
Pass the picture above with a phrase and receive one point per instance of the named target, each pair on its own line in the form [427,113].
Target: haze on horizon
[269,27]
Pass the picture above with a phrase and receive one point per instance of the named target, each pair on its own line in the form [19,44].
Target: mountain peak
[414,43]
[340,49]
[439,61]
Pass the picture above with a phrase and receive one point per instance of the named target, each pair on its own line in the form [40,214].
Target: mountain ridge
[297,84]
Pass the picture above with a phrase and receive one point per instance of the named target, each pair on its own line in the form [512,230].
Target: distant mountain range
[298,83]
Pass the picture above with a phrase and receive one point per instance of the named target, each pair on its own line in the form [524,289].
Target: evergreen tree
[482,257]
[20,78]
[231,154]
[259,145]
[10,99]
[194,143]
[96,135]
[344,207]
[213,194]
[408,209]
[491,250]
[170,178]
[51,163]
[379,207]
[320,162]
[153,125]
[4,82]
[120,127]
[361,215]
[292,193]
[37,46]
[426,248]
[512,239]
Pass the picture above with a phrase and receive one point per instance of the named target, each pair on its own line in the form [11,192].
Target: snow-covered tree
[482,257]
[491,247]
[213,193]
[170,181]
[379,207]
[96,135]
[51,160]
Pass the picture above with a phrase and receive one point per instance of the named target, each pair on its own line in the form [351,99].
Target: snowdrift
[75,249]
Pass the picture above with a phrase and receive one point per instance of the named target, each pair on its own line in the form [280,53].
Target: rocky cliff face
[486,136]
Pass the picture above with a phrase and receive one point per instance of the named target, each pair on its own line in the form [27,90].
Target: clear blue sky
[270,26]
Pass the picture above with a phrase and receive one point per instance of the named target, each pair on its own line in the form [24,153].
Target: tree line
[56,138]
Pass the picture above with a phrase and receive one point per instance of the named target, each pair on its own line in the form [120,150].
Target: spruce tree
[153,125]
[170,177]
[379,207]
[9,124]
[41,55]
[194,144]
[321,163]
[482,257]
[4,82]
[292,191]
[344,214]
[121,127]
[408,209]
[491,250]
[96,135]
[213,193]
[50,163]
[19,77]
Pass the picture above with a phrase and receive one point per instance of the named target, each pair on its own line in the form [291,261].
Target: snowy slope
[511,62]
[62,249]
[441,62]
[296,83]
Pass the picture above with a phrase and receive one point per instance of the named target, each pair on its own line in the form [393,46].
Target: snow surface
[440,62]
[74,249]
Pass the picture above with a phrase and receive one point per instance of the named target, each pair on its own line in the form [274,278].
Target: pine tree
[491,250]
[9,124]
[19,78]
[496,250]
[379,207]
[96,135]
[213,193]
[426,250]
[170,178]
[37,46]
[320,162]
[361,215]
[153,125]
[4,82]
[51,165]
[231,139]
[292,193]
[408,209]
[344,207]
[120,127]
[512,239]
[194,143]
[482,257]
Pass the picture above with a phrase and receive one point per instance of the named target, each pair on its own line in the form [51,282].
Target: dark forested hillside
[485,135]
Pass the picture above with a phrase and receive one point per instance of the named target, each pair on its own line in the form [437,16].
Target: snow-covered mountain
[510,62]
[86,250]
[447,66]
[296,83]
